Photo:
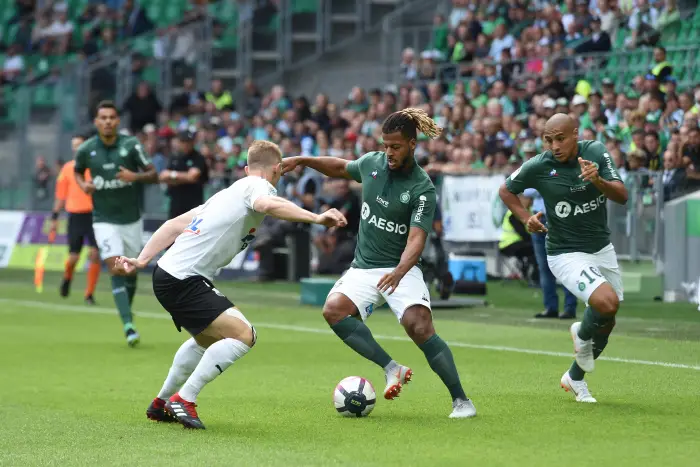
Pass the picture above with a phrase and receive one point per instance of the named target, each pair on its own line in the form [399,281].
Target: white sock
[216,359]
[392,366]
[186,359]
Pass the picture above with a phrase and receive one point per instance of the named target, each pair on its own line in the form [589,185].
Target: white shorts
[582,273]
[119,239]
[360,286]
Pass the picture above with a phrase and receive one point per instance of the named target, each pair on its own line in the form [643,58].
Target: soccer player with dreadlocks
[398,203]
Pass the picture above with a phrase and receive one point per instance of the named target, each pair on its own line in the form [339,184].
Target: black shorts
[193,303]
[79,231]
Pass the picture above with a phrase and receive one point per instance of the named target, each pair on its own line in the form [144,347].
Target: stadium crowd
[494,73]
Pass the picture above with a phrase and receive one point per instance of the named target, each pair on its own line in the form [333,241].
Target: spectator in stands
[690,150]
[189,96]
[673,177]
[643,22]
[599,40]
[13,66]
[516,243]
[221,98]
[60,30]
[337,247]
[42,177]
[669,15]
[652,150]
[661,69]
[142,107]
[135,20]
[409,70]
[501,40]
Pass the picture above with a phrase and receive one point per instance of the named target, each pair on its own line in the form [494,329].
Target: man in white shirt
[206,239]
[13,66]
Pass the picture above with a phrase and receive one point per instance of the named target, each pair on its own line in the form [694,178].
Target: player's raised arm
[330,166]
[286,210]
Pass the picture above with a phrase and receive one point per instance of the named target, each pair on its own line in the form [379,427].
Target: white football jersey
[223,227]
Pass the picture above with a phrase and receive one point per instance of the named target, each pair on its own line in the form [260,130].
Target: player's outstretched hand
[534,225]
[332,218]
[126,175]
[589,171]
[390,281]
[129,265]
[289,164]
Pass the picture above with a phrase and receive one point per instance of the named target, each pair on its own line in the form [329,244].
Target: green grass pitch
[73,393]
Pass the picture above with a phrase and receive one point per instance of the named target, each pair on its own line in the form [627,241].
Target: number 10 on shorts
[588,277]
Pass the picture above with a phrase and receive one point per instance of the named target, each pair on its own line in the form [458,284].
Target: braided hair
[409,122]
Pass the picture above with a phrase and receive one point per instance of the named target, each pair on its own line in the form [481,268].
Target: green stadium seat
[620,37]
[305,6]
[44,96]
[151,74]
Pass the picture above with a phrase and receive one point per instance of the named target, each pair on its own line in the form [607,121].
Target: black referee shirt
[190,195]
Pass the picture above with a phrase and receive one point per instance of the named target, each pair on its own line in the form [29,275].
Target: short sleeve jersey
[67,190]
[576,210]
[223,227]
[114,201]
[392,203]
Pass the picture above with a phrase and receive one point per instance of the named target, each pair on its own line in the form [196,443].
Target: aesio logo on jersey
[563,209]
[381,223]
[102,184]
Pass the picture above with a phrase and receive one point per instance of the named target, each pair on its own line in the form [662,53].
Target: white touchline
[290,327]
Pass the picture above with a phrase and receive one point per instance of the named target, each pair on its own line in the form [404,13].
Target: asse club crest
[405,197]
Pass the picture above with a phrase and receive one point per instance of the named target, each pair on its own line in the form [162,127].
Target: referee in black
[186,176]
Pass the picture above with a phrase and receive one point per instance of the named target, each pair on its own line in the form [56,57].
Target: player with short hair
[206,239]
[575,178]
[118,165]
[78,205]
[398,204]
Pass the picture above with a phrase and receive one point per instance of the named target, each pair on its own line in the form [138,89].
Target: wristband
[173,175]
[54,216]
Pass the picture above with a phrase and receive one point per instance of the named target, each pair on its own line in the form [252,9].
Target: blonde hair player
[206,239]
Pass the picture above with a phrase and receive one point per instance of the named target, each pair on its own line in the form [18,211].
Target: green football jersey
[577,216]
[392,203]
[114,201]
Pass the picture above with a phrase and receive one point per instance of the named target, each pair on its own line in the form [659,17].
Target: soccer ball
[354,397]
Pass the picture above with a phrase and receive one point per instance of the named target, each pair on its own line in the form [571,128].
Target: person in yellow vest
[221,98]
[661,69]
[516,242]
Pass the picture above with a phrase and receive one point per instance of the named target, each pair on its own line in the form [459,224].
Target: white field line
[52,307]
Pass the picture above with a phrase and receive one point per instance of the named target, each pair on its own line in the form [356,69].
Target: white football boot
[583,350]
[577,388]
[395,379]
[463,409]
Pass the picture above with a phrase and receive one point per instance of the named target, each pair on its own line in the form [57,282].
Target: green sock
[121,299]
[440,359]
[600,341]
[130,283]
[594,322]
[359,338]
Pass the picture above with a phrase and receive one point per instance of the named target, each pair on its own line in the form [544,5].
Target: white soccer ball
[354,397]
